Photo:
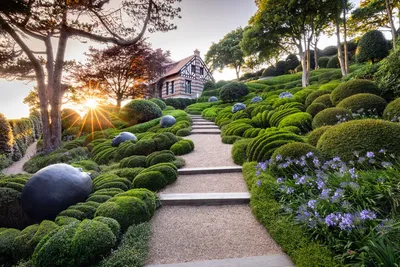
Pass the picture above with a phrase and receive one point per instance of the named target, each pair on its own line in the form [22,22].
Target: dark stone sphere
[237,107]
[213,99]
[53,189]
[167,121]
[122,137]
[256,99]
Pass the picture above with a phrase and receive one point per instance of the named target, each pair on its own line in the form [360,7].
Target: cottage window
[193,69]
[166,88]
[188,86]
[172,87]
[201,71]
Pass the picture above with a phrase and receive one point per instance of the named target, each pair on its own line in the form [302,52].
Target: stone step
[204,123]
[200,120]
[205,131]
[276,260]
[195,171]
[201,199]
[205,127]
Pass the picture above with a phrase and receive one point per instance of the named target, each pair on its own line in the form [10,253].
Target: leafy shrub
[315,108]
[314,95]
[323,62]
[279,115]
[329,51]
[129,173]
[152,180]
[237,127]
[108,181]
[314,136]
[333,63]
[6,136]
[184,132]
[159,103]
[269,72]
[24,135]
[233,91]
[87,165]
[11,213]
[111,223]
[294,150]
[7,245]
[209,85]
[179,103]
[331,116]
[133,162]
[280,68]
[368,104]
[230,139]
[182,147]
[388,74]
[4,161]
[70,118]
[372,47]
[366,72]
[262,147]
[360,136]
[353,87]
[76,244]
[392,111]
[301,120]
[133,248]
[160,157]
[239,149]
[138,111]
[292,62]
[167,169]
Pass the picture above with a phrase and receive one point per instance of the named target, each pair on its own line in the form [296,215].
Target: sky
[202,22]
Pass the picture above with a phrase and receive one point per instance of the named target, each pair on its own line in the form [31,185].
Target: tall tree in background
[374,14]
[43,21]
[227,53]
[121,71]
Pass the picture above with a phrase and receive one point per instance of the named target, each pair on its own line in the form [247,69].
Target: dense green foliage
[233,92]
[372,47]
[138,111]
[366,104]
[353,87]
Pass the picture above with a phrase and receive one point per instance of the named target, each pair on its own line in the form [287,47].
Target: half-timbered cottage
[183,79]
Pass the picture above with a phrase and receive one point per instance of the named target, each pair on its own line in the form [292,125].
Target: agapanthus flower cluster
[285,95]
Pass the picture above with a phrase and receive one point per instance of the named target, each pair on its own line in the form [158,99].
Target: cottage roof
[178,66]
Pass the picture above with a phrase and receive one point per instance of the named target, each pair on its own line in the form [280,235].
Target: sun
[90,103]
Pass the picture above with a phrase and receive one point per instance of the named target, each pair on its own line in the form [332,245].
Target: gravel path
[185,234]
[209,151]
[210,183]
[17,167]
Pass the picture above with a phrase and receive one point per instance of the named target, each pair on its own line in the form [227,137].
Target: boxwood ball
[256,99]
[122,137]
[213,99]
[238,106]
[167,121]
[53,189]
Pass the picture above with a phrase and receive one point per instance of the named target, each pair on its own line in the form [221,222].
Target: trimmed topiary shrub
[169,170]
[314,136]
[128,173]
[152,180]
[70,118]
[87,165]
[295,150]
[367,104]
[372,47]
[138,111]
[230,139]
[333,63]
[292,61]
[76,244]
[360,136]
[331,116]
[233,91]
[6,136]
[239,149]
[301,120]
[323,99]
[133,162]
[323,62]
[353,87]
[159,103]
[315,108]
[314,95]
[184,132]
[269,72]
[209,85]
[8,245]
[392,111]
[160,157]
[182,147]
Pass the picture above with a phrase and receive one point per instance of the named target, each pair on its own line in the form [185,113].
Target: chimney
[197,52]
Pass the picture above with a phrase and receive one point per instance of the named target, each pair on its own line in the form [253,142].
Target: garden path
[223,232]
[17,167]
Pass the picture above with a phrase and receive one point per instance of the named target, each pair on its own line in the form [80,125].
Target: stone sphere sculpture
[53,189]
[237,107]
[213,99]
[256,99]
[122,137]
[167,121]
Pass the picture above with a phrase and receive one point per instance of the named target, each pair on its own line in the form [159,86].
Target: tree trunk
[391,22]
[303,60]
[340,53]
[237,69]
[119,101]
[346,55]
[316,53]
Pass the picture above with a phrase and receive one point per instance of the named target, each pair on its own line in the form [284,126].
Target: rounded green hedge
[324,99]
[133,162]
[239,149]
[160,157]
[314,95]
[138,111]
[392,111]
[360,136]
[301,120]
[368,104]
[70,118]
[152,180]
[168,170]
[314,136]
[333,63]
[233,91]
[323,62]
[331,116]
[353,87]
[11,213]
[372,47]
[128,173]
[6,136]
[159,103]
[315,108]
[295,150]
[77,244]
[8,245]
[182,147]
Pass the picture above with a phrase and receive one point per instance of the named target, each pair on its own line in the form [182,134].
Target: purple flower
[346,221]
[337,195]
[309,154]
[367,215]
[370,154]
[278,158]
[354,185]
[259,182]
[352,171]
[331,219]
[386,164]
[280,180]
[325,193]
[312,203]
[320,184]
[382,150]
[316,162]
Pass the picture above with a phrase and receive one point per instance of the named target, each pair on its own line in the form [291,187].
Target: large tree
[279,24]
[121,71]
[51,23]
[227,53]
